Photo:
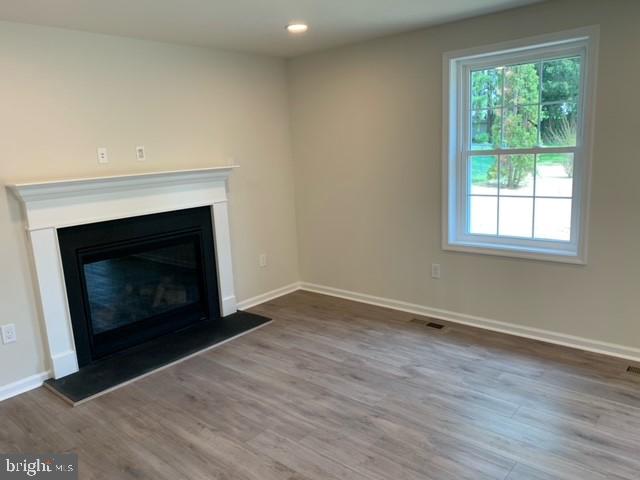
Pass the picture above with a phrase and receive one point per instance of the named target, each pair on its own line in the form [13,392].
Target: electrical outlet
[435,270]
[262,260]
[140,155]
[8,333]
[103,156]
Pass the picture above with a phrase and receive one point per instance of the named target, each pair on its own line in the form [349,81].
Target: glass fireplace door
[143,289]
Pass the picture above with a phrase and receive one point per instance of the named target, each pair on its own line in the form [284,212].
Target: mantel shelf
[44,190]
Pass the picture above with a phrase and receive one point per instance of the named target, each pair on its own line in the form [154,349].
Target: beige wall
[367,148]
[63,93]
[367,124]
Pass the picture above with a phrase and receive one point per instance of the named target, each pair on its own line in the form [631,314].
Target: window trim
[583,41]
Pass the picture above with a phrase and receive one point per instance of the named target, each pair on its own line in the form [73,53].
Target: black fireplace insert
[131,280]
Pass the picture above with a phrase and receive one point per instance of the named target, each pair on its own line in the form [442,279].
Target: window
[517,155]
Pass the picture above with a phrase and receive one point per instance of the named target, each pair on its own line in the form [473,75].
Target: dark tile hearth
[127,365]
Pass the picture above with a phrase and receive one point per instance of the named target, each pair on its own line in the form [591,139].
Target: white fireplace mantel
[51,205]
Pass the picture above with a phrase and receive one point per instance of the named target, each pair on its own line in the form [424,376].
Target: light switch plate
[435,270]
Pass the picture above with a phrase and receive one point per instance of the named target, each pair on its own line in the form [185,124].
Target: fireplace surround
[55,208]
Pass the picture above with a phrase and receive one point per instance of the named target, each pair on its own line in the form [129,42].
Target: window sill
[545,255]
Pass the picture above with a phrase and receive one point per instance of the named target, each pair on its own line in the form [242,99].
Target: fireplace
[164,274]
[131,280]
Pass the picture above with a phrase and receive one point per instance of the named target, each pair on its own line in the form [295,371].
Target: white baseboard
[548,336]
[265,297]
[23,385]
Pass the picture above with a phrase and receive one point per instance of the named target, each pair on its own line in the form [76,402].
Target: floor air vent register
[426,323]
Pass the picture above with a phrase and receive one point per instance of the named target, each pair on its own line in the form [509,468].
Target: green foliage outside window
[513,109]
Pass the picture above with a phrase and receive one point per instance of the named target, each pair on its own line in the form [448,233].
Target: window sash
[465,194]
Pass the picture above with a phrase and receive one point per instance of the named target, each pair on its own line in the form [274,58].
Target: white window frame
[456,67]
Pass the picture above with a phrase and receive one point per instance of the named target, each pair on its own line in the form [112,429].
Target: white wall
[367,130]
[64,93]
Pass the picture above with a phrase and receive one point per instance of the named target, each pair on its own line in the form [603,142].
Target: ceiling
[248,25]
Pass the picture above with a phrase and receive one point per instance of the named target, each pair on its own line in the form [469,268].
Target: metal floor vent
[635,370]
[426,323]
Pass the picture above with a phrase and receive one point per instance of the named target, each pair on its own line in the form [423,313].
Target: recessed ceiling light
[297,27]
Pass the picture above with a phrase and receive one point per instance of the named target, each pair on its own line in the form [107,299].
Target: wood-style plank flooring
[335,390]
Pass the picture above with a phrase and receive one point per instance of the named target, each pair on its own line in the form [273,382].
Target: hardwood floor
[334,389]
